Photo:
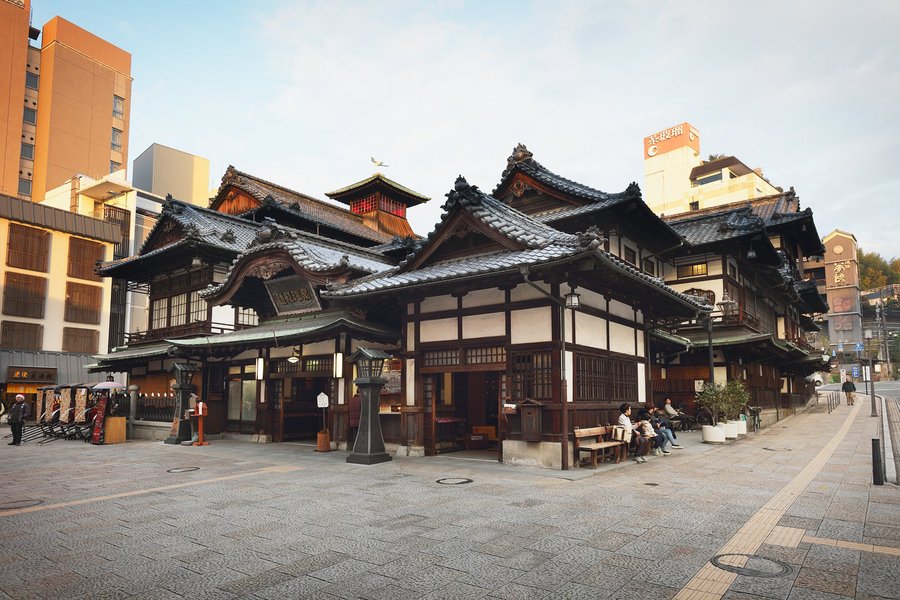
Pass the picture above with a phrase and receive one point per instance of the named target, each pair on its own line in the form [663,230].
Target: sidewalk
[281,521]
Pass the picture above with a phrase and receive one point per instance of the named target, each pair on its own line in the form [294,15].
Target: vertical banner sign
[99,419]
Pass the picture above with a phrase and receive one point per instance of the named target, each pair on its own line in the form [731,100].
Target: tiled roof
[523,160]
[711,227]
[200,226]
[376,178]
[543,245]
[35,213]
[311,252]
[290,331]
[300,204]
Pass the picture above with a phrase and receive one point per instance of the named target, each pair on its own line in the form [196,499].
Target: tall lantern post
[368,449]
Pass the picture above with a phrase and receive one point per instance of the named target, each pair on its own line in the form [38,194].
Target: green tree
[874,271]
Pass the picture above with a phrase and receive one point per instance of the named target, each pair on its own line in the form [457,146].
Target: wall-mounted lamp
[196,262]
[260,367]
[294,358]
[751,253]
[573,300]
[338,367]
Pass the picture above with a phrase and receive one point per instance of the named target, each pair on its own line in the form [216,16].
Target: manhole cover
[19,504]
[767,567]
[454,481]
[651,484]
[777,449]
[182,469]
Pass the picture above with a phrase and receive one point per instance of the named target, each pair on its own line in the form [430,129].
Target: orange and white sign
[670,139]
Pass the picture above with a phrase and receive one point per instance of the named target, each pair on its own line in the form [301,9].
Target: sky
[304,93]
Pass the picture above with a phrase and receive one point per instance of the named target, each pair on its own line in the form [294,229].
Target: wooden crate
[114,430]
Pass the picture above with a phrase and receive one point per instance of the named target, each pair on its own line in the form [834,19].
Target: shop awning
[288,332]
[126,356]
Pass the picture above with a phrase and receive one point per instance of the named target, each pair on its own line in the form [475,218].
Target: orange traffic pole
[200,441]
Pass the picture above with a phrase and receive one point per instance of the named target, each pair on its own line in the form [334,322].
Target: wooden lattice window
[83,303]
[440,358]
[487,355]
[24,295]
[649,267]
[318,364]
[694,270]
[159,313]
[178,309]
[28,248]
[532,375]
[630,256]
[605,379]
[21,336]
[198,308]
[83,257]
[80,341]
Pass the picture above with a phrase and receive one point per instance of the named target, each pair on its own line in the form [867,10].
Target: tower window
[27,151]
[24,187]
[31,81]
[119,107]
[30,116]
[117,139]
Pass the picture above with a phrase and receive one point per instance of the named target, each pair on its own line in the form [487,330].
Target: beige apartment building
[66,103]
[161,170]
[677,179]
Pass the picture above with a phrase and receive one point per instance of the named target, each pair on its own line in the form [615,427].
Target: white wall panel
[591,330]
[531,325]
[483,298]
[410,390]
[437,330]
[642,382]
[479,326]
[436,303]
[621,339]
[523,291]
[620,309]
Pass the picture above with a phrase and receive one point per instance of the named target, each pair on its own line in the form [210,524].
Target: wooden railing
[200,327]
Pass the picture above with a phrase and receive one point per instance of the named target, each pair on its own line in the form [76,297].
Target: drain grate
[454,481]
[182,469]
[651,484]
[19,504]
[768,567]
[778,449]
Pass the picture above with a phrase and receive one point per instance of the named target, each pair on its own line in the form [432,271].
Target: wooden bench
[596,440]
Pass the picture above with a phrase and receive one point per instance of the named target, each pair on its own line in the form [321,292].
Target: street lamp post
[868,335]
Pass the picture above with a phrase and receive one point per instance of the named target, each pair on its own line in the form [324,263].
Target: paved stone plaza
[281,521]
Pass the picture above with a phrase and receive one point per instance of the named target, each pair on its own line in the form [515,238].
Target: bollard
[877,463]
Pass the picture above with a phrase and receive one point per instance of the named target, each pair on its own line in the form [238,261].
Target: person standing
[18,414]
[849,389]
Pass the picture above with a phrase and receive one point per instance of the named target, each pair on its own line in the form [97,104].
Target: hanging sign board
[322,400]
[292,295]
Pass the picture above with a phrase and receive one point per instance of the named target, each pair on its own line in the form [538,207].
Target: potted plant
[712,397]
[737,398]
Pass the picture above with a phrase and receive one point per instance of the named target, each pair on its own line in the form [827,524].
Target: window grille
[81,341]
[83,303]
[630,256]
[532,375]
[605,379]
[159,310]
[247,316]
[24,295]
[83,257]
[28,248]
[198,307]
[489,355]
[22,336]
[441,358]
[178,306]
[694,270]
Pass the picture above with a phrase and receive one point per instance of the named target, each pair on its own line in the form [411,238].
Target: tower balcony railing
[178,331]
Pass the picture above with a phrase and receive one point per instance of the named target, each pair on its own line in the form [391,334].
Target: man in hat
[18,413]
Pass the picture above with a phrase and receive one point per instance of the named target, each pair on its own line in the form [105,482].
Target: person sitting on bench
[640,444]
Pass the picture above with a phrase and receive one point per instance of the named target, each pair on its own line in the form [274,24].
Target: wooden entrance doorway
[464,408]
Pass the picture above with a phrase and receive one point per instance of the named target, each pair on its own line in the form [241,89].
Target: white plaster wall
[223,313]
[483,298]
[570,376]
[436,303]
[592,299]
[437,330]
[531,325]
[523,291]
[410,384]
[641,344]
[621,338]
[591,330]
[479,326]
[714,266]
[281,352]
[620,309]
[323,347]
[411,336]
[642,382]
[721,374]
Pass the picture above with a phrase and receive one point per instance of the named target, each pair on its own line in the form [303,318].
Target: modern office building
[165,171]
[66,103]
